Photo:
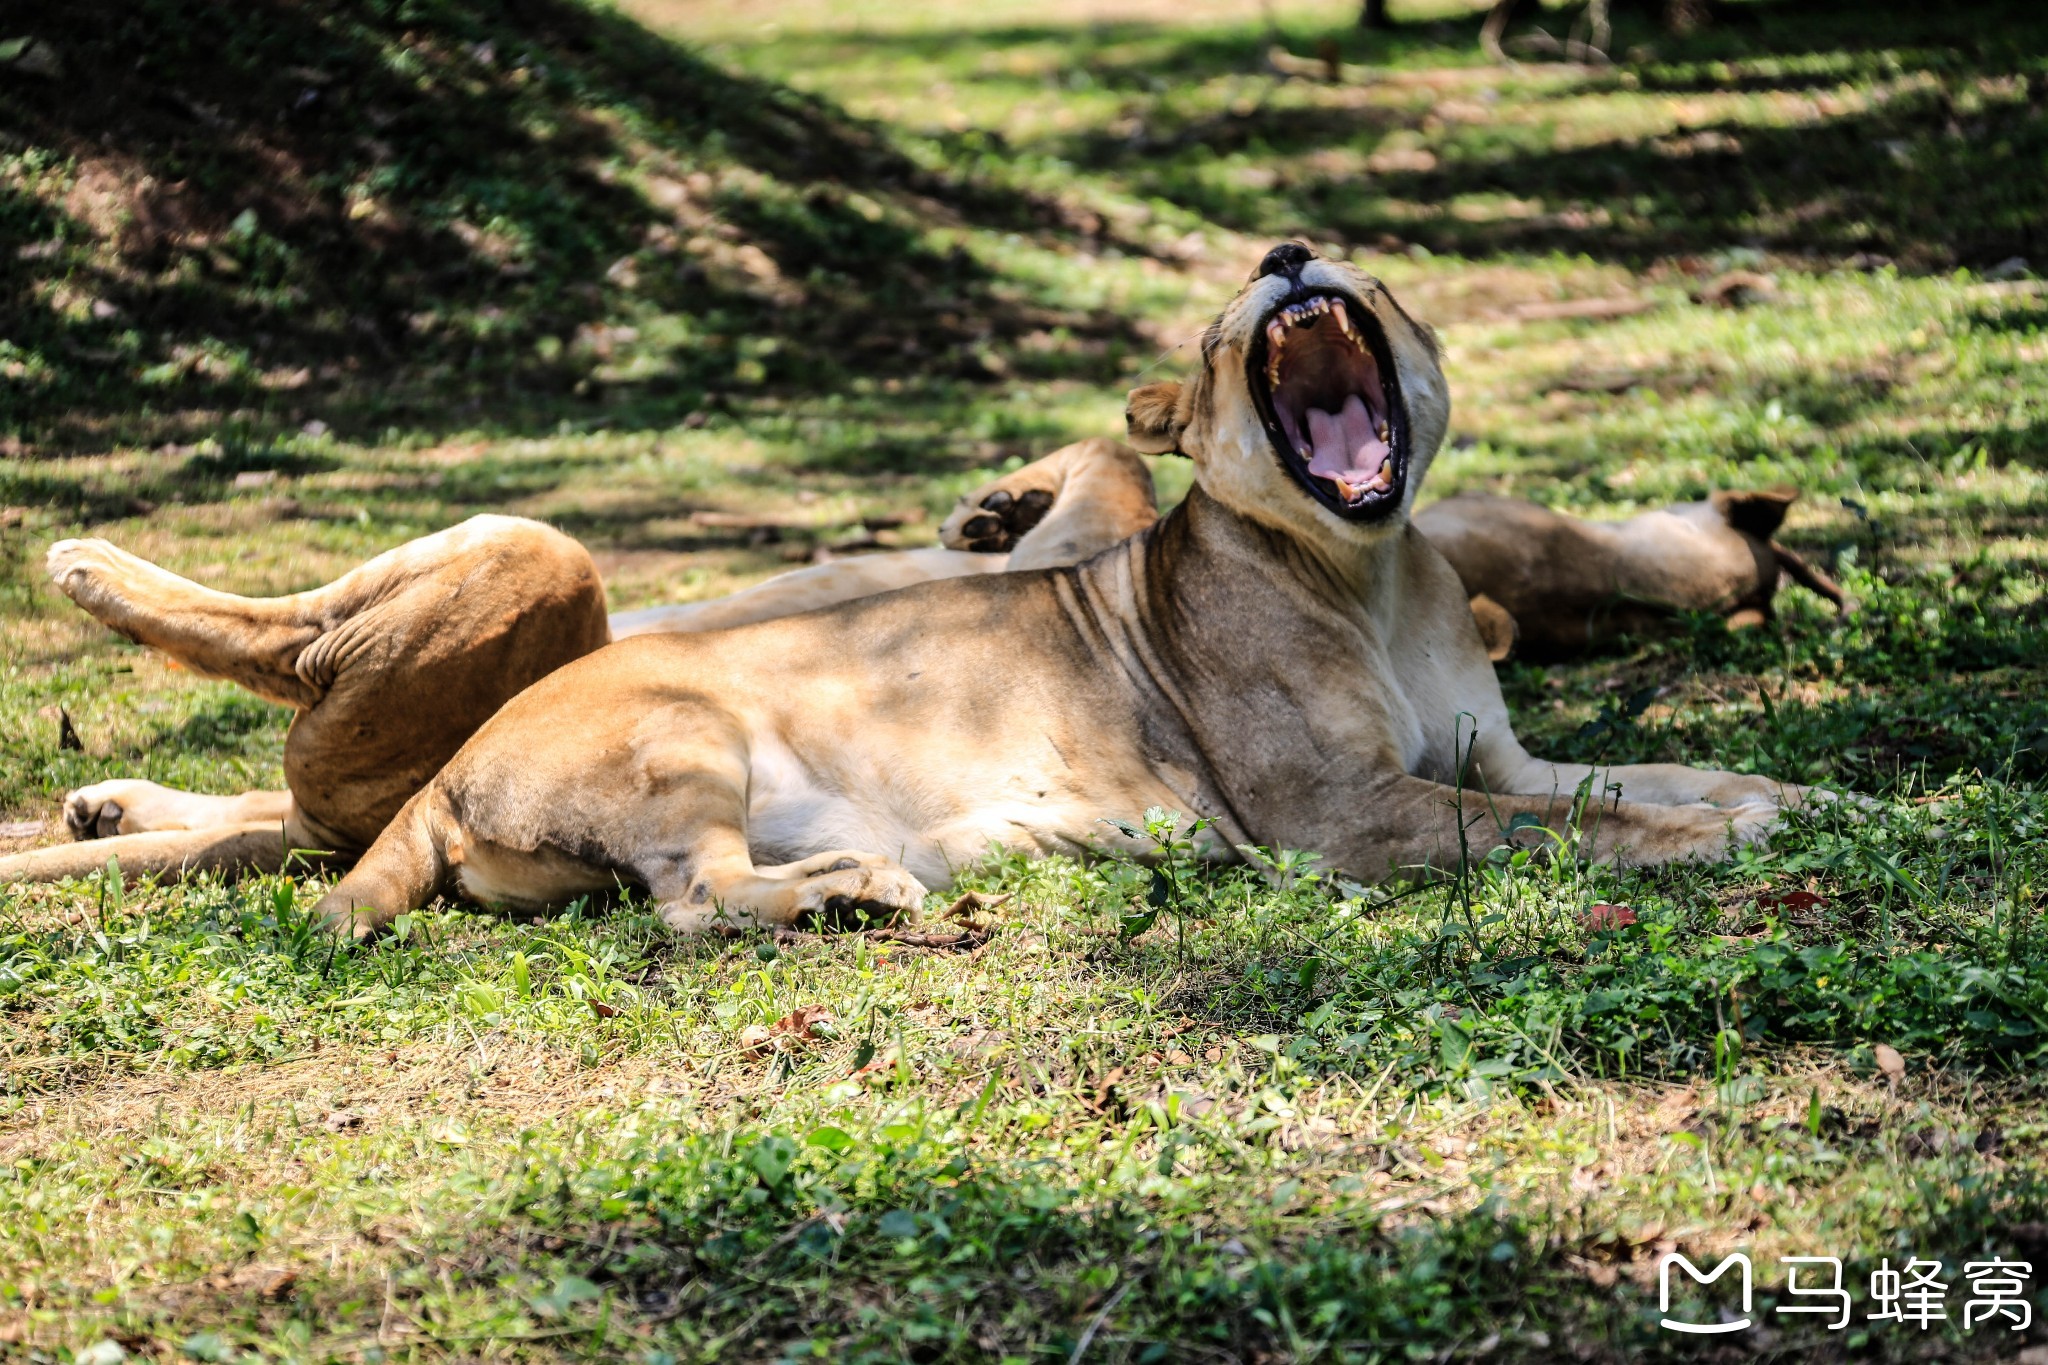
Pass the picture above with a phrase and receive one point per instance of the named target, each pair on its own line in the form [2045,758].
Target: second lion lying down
[1283,654]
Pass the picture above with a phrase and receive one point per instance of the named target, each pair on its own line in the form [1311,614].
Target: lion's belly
[934,826]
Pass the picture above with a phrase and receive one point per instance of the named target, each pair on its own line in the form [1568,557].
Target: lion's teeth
[1385,435]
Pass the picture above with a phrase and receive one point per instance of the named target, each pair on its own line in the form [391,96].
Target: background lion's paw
[993,518]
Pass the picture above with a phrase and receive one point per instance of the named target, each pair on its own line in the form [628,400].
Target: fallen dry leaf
[1103,1097]
[791,1031]
[974,904]
[806,1023]
[271,1282]
[977,1044]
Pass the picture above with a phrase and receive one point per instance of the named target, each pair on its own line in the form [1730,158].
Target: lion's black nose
[1286,258]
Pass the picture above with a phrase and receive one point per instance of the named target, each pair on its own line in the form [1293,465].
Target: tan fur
[1071,504]
[389,669]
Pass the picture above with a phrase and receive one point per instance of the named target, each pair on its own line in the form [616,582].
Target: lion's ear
[1152,417]
[1755,512]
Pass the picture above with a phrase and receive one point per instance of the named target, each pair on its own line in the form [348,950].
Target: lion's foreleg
[1657,784]
[1414,823]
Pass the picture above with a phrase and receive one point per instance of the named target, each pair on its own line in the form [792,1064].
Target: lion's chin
[1324,387]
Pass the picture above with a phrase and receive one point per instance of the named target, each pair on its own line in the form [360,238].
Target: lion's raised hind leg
[391,667]
[248,640]
[485,578]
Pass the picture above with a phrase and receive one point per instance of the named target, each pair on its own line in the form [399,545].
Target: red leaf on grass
[1790,902]
[1603,917]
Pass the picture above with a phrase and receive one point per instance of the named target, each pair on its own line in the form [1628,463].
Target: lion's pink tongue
[1344,445]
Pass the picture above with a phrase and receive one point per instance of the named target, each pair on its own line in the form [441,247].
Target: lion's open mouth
[1324,383]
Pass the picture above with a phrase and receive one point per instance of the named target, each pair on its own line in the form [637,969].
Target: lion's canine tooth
[1343,317]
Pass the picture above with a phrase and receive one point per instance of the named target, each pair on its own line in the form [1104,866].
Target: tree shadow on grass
[467,214]
[1914,145]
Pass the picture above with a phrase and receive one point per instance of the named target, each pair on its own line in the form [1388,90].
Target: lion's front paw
[994,517]
[851,886]
[1751,824]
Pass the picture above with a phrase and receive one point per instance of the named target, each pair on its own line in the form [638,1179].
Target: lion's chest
[1431,708]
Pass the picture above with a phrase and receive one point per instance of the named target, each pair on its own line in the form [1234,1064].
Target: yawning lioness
[1282,654]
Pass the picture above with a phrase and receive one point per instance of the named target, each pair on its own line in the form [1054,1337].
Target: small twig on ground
[1088,1337]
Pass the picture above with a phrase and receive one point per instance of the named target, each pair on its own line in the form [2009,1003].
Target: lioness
[1283,654]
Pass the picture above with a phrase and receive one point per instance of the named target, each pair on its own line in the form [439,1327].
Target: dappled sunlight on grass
[720,295]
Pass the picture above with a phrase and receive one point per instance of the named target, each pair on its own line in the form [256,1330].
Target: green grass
[841,261]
